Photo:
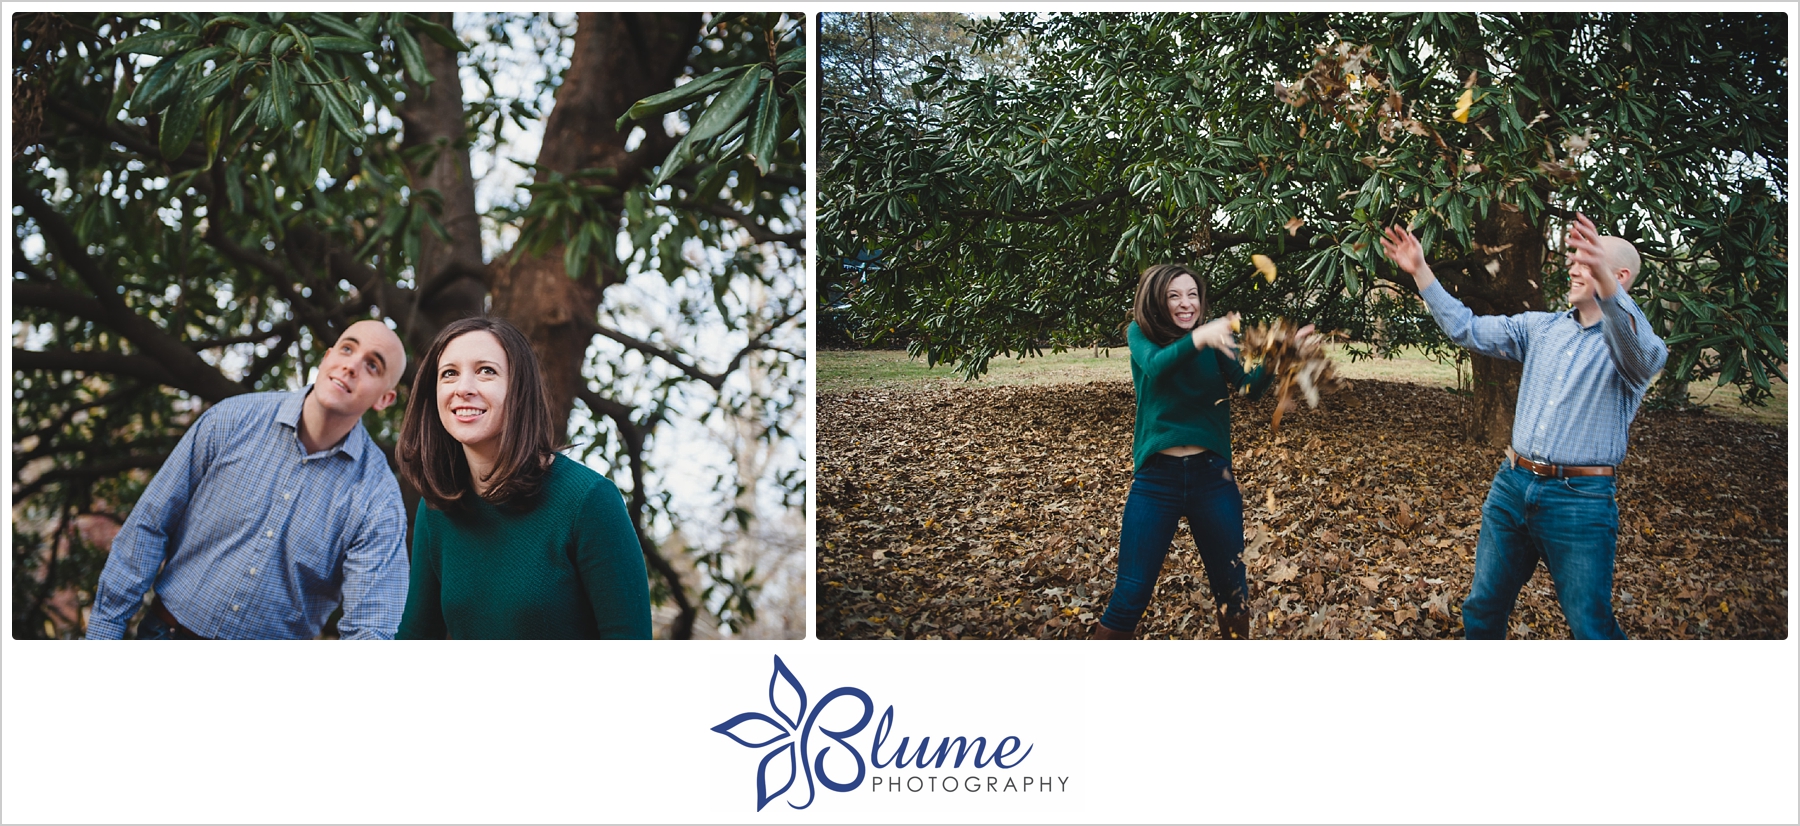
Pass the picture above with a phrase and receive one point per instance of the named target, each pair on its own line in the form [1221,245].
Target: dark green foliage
[1017,210]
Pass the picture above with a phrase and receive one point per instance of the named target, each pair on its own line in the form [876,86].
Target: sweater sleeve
[1257,379]
[611,563]
[424,615]
[1154,360]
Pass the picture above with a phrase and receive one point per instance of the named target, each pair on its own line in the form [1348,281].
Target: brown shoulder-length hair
[432,461]
[1151,308]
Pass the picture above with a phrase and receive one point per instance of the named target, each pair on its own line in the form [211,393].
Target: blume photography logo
[803,747]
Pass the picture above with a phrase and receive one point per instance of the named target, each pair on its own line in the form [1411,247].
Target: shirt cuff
[105,630]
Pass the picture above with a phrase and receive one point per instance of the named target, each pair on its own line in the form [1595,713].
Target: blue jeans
[1572,525]
[1166,488]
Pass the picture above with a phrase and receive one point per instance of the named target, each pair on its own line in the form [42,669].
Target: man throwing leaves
[1586,371]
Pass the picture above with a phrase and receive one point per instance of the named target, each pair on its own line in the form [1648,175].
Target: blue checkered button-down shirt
[1581,386]
[262,539]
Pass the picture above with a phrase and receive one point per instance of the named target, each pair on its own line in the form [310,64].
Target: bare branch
[759,341]
[714,381]
[634,435]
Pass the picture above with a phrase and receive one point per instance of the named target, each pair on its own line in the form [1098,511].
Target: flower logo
[789,761]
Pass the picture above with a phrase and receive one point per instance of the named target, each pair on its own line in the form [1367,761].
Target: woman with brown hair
[1183,372]
[513,540]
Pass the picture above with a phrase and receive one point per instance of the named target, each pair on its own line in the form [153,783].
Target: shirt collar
[289,414]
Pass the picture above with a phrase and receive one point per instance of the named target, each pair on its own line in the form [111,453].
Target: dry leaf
[1264,266]
[1462,106]
[1703,552]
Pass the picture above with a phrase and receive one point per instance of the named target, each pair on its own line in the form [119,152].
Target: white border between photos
[1651,731]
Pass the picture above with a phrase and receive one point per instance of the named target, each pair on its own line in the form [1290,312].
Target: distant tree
[201,201]
[1016,210]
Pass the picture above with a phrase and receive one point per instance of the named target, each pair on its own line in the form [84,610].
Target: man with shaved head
[273,509]
[1586,371]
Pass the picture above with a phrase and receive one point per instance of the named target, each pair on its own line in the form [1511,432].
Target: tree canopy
[203,201]
[1015,212]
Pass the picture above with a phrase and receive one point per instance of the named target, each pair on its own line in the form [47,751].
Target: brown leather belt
[1561,471]
[180,631]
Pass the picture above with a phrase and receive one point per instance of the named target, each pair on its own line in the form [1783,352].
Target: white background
[1173,732]
[1194,731]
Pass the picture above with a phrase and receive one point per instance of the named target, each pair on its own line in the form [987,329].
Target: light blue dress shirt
[1581,386]
[261,539]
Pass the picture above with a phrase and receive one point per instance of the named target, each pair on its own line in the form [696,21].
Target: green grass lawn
[845,370]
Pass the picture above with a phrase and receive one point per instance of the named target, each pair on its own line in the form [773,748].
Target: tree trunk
[1513,249]
[1500,276]
[451,276]
[619,59]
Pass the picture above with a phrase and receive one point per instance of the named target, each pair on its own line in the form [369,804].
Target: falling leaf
[1264,266]
[1462,106]
[1294,224]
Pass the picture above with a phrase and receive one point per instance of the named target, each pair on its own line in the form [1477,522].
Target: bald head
[1621,259]
[381,344]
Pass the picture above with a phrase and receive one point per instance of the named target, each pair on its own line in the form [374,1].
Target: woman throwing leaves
[1183,372]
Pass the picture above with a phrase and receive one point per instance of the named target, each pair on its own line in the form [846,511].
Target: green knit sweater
[1182,395]
[570,567]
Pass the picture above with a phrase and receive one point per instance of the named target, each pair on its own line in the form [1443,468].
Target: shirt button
[269,534]
[253,572]
[287,496]
[235,607]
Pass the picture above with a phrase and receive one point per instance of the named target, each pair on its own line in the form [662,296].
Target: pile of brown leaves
[994,513]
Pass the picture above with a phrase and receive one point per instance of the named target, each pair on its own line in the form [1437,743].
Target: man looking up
[273,509]
[1586,371]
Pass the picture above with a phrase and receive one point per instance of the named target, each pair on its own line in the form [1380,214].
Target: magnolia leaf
[1265,266]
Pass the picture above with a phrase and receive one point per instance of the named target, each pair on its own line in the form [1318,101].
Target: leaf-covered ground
[994,513]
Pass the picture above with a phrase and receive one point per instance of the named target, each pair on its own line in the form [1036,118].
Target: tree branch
[282,329]
[714,381]
[175,360]
[634,434]
[120,364]
[1049,215]
[760,232]
[758,341]
[68,414]
[54,296]
[93,471]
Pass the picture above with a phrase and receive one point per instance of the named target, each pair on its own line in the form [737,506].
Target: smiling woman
[515,541]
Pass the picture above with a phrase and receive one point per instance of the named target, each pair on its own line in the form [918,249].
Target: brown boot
[1102,632]
[1234,625]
